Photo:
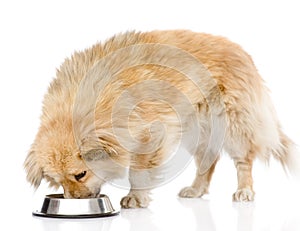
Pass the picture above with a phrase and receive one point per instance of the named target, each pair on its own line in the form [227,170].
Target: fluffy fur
[110,132]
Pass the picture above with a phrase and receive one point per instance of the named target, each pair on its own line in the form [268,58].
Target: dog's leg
[138,196]
[201,182]
[244,176]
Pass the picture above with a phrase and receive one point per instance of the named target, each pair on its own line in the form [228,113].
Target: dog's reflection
[201,211]
[244,215]
[205,221]
[99,224]
[139,218]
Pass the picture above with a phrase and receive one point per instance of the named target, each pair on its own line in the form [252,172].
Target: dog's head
[56,158]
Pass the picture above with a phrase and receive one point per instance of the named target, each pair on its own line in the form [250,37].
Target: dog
[122,108]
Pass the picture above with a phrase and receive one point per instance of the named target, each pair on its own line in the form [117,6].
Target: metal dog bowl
[56,206]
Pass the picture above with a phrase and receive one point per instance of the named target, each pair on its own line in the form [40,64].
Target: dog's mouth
[96,194]
[67,195]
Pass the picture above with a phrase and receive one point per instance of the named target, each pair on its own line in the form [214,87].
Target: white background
[36,36]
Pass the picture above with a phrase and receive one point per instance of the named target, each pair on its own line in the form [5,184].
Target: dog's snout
[78,195]
[67,195]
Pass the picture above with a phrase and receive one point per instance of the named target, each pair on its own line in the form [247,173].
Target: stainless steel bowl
[55,205]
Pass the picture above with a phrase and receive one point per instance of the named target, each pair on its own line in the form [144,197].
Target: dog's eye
[80,175]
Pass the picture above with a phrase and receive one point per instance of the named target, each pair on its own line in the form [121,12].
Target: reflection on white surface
[201,211]
[244,216]
[140,219]
[50,224]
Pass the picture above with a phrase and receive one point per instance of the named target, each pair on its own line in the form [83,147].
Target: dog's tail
[288,154]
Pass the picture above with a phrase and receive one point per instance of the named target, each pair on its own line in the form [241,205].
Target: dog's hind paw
[135,199]
[191,192]
[243,195]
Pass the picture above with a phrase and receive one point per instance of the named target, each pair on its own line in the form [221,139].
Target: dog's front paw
[243,195]
[135,200]
[191,192]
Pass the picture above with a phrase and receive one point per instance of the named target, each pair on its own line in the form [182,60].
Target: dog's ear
[33,169]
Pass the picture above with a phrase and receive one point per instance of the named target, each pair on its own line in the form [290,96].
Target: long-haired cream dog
[127,105]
